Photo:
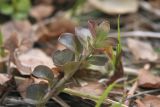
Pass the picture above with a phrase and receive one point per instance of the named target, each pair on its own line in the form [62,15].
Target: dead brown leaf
[92,88]
[12,43]
[147,80]
[56,27]
[27,61]
[155,3]
[48,33]
[41,11]
[24,33]
[24,70]
[35,57]
[22,84]
[149,101]
[139,103]
[4,78]
[142,50]
[115,6]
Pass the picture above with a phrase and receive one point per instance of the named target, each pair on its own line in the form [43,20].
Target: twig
[88,96]
[146,6]
[4,95]
[7,91]
[9,65]
[17,101]
[131,92]
[130,71]
[144,92]
[60,101]
[20,101]
[138,34]
[127,70]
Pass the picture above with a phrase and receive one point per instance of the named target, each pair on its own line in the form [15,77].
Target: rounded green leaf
[44,72]
[62,57]
[68,40]
[36,92]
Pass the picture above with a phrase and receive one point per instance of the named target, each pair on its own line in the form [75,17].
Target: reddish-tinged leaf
[56,71]
[118,67]
[118,72]
[92,25]
[109,52]
[111,41]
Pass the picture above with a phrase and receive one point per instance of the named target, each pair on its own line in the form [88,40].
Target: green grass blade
[119,46]
[105,94]
[119,32]
[76,6]
[116,105]
[1,43]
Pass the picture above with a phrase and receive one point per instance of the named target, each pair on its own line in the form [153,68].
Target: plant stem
[58,86]
[142,93]
[88,96]
[60,101]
